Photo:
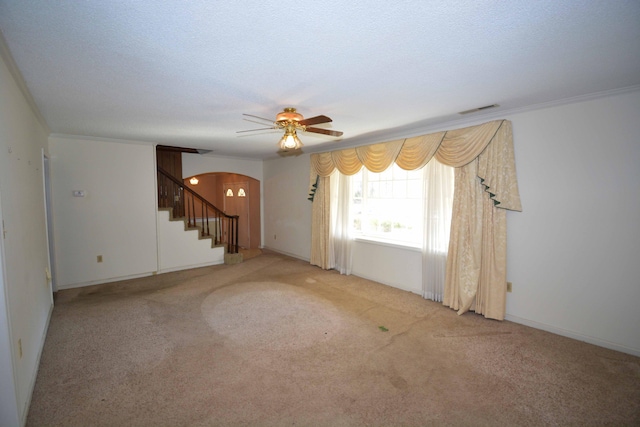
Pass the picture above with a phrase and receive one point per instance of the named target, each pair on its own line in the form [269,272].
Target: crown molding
[469,120]
[101,139]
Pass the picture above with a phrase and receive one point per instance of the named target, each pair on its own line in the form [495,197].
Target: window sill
[390,243]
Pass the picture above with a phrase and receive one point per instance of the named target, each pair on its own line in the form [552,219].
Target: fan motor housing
[289,115]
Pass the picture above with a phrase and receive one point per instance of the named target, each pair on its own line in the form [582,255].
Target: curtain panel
[485,185]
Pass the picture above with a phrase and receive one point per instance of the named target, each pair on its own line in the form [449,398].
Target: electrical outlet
[509,286]
[99,258]
[20,348]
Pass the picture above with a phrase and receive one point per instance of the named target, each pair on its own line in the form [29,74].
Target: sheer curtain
[341,240]
[438,205]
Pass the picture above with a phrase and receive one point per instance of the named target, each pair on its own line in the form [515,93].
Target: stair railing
[199,212]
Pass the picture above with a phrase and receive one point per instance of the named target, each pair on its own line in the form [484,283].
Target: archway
[223,190]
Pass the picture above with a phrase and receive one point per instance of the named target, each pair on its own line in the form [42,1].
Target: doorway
[169,195]
[213,187]
[236,202]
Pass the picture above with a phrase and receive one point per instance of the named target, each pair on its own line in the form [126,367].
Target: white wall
[179,249]
[9,412]
[25,293]
[371,260]
[117,217]
[287,218]
[572,252]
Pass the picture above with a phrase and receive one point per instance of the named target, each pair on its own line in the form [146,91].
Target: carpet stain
[399,382]
[271,315]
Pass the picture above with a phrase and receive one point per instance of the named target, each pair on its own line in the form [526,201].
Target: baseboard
[135,276]
[102,281]
[189,267]
[32,385]
[391,285]
[574,335]
[286,253]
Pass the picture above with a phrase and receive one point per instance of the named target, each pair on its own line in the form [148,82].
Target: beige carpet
[276,342]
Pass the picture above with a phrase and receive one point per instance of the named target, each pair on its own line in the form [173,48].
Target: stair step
[194,228]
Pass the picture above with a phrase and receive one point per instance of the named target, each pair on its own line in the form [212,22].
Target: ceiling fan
[291,121]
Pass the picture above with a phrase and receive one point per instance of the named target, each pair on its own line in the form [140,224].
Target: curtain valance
[416,152]
[461,146]
[376,158]
[491,143]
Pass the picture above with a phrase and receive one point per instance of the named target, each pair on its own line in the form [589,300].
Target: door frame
[48,210]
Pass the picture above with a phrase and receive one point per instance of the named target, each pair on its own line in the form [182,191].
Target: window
[388,205]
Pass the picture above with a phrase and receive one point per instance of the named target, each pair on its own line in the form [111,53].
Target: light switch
[79,193]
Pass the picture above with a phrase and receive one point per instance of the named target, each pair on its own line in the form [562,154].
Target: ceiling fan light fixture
[290,121]
[290,141]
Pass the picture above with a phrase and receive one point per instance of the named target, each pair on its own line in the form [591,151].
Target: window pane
[398,172]
[400,189]
[414,189]
[373,189]
[357,189]
[392,207]
[386,189]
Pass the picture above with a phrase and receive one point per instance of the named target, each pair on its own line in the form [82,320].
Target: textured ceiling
[182,72]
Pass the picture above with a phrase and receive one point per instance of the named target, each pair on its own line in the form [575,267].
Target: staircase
[182,209]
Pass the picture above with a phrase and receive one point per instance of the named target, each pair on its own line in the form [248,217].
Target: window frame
[381,183]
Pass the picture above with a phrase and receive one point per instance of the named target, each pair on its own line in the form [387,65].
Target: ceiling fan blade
[258,117]
[324,131]
[315,120]
[253,130]
[254,121]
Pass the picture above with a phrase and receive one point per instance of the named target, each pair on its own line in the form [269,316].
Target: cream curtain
[320,223]
[485,185]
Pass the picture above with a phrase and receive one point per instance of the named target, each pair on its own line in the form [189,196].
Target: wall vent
[473,110]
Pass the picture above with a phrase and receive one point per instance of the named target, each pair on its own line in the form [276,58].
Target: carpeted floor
[276,342]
